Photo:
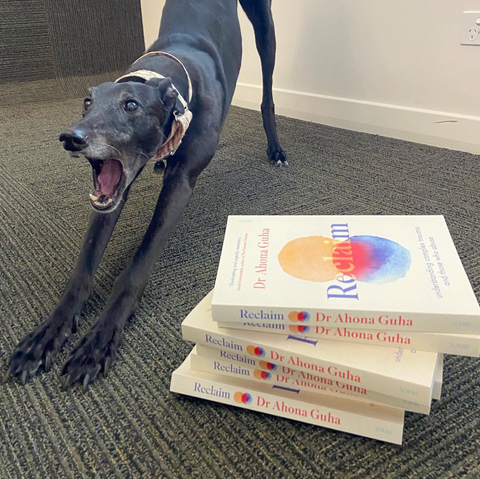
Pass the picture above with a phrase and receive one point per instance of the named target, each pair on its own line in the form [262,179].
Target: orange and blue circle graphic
[256,351]
[300,316]
[259,374]
[299,329]
[242,398]
[371,259]
[268,366]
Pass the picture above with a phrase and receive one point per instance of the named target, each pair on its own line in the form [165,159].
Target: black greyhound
[143,116]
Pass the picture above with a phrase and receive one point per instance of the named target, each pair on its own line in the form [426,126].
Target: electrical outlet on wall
[470,28]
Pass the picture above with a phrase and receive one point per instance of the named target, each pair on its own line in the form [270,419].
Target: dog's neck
[160,64]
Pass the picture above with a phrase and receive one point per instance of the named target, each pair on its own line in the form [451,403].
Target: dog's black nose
[74,140]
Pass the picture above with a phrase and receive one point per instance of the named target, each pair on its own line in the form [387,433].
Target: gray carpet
[130,426]
[50,49]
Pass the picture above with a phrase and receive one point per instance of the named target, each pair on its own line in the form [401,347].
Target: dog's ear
[167,93]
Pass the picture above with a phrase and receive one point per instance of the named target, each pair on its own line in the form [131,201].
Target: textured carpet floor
[53,50]
[130,425]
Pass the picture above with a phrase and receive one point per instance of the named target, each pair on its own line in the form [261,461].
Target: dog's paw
[40,347]
[277,156]
[96,352]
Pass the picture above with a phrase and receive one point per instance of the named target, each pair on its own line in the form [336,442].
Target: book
[447,343]
[368,420]
[399,273]
[393,371]
[238,358]
[210,360]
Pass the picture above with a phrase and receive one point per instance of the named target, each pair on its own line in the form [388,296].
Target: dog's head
[123,126]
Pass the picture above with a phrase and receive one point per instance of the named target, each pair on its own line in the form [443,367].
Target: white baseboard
[437,128]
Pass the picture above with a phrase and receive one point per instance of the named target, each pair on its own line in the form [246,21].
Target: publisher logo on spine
[268,366]
[299,329]
[259,374]
[256,351]
[296,316]
[242,398]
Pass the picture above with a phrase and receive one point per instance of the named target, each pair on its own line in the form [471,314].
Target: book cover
[289,379]
[399,273]
[447,343]
[397,372]
[368,420]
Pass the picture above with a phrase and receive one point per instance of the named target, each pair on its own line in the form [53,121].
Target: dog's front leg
[98,348]
[43,343]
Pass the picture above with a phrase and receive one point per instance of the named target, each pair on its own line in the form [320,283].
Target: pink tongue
[109,176]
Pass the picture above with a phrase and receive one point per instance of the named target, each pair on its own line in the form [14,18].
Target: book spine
[404,389]
[238,358]
[214,390]
[386,320]
[297,380]
[447,343]
[437,385]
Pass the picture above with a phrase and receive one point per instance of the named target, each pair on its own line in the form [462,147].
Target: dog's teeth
[100,201]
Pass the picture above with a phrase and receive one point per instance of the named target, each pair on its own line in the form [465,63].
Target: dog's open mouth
[108,183]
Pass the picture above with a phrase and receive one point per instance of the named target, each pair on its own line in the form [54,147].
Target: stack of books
[340,322]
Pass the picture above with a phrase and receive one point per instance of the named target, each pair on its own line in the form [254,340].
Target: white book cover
[400,273]
[368,420]
[397,372]
[447,343]
[291,380]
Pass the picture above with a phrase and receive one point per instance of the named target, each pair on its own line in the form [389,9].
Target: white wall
[151,14]
[390,67]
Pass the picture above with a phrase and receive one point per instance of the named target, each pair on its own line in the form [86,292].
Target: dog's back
[211,26]
[215,21]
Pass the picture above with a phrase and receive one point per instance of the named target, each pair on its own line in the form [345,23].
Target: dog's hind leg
[260,14]
[41,345]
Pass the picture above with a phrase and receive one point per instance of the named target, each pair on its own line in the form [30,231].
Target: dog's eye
[86,103]
[130,105]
